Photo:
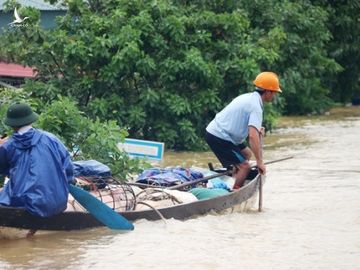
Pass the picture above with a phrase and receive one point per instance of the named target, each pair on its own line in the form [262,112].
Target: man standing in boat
[37,163]
[241,119]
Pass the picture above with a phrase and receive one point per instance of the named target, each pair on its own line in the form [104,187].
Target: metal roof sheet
[16,70]
[39,4]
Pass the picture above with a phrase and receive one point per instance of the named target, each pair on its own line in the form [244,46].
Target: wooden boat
[237,200]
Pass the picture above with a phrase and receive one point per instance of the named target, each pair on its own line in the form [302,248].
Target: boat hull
[238,200]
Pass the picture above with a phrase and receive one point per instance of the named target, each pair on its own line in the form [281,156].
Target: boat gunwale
[85,220]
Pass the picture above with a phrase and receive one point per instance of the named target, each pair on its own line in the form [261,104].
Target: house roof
[38,4]
[15,70]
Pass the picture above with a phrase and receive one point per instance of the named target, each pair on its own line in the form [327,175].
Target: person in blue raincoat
[37,164]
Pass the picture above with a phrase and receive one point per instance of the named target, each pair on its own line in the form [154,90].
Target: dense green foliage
[162,69]
[303,62]
[344,47]
[96,139]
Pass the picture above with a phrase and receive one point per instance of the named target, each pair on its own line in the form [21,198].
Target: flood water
[310,220]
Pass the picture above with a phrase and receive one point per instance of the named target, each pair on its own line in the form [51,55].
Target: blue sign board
[143,149]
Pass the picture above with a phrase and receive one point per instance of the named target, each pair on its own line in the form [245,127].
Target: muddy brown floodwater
[311,217]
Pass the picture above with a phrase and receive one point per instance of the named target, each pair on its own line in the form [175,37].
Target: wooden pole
[260,183]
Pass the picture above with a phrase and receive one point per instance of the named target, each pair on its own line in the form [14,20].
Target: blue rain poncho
[40,170]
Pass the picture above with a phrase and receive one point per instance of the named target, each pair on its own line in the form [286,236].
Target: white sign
[143,149]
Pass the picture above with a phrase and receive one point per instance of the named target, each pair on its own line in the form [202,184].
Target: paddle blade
[100,210]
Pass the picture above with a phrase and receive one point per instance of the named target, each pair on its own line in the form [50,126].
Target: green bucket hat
[19,115]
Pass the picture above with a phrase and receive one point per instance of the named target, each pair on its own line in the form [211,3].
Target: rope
[153,208]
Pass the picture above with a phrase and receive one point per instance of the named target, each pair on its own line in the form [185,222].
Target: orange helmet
[268,81]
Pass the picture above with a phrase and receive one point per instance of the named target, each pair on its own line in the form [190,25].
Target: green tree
[161,69]
[344,47]
[85,138]
[303,62]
